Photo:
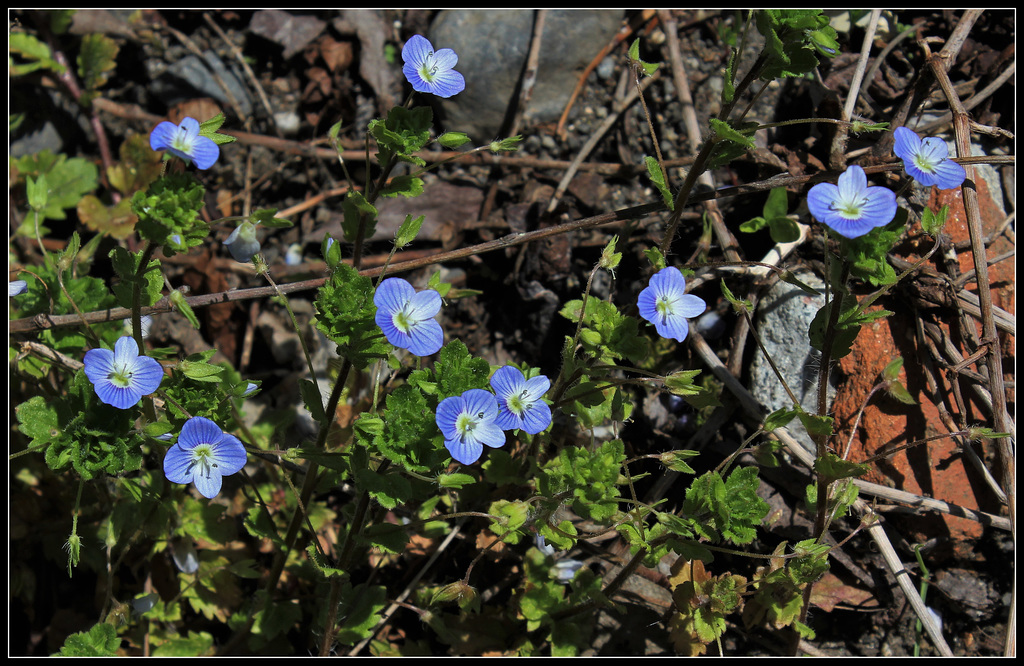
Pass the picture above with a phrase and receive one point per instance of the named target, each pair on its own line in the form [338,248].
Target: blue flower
[665,303]
[429,71]
[16,288]
[927,161]
[121,377]
[203,455]
[519,400]
[185,142]
[853,208]
[407,317]
[467,422]
[242,242]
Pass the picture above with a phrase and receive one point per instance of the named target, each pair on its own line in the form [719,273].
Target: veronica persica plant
[185,142]
[927,160]
[467,422]
[121,377]
[407,317]
[665,303]
[242,242]
[431,71]
[519,400]
[852,208]
[203,455]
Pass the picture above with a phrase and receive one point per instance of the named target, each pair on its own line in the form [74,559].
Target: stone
[784,318]
[492,46]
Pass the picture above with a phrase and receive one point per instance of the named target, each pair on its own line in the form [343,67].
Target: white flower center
[429,68]
[202,457]
[121,377]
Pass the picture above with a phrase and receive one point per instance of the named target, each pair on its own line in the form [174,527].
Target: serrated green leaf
[408,231]
[657,175]
[96,60]
[455,480]
[100,641]
[311,397]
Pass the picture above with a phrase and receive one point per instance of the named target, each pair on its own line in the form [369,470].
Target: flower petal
[949,175]
[445,59]
[416,50]
[199,430]
[177,465]
[146,375]
[447,415]
[426,338]
[507,381]
[906,143]
[205,152]
[465,452]
[537,418]
[424,304]
[229,454]
[163,135]
[209,484]
[99,363]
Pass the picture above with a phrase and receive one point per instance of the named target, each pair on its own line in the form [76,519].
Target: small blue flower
[121,377]
[665,303]
[16,288]
[853,208]
[564,571]
[407,317]
[293,257]
[203,455]
[185,142]
[145,322]
[519,400]
[242,242]
[927,161]
[429,71]
[467,422]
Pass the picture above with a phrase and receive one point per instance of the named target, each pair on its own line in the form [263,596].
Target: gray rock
[492,46]
[783,318]
[198,73]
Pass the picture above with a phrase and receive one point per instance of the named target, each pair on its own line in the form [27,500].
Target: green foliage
[933,222]
[455,372]
[33,50]
[404,132]
[126,265]
[170,207]
[647,68]
[607,334]
[794,38]
[867,253]
[357,212]
[345,312]
[730,142]
[408,231]
[588,477]
[359,610]
[657,175]
[100,641]
[81,432]
[66,181]
[543,597]
[728,509]
[96,61]
[847,328]
[782,228]
[702,602]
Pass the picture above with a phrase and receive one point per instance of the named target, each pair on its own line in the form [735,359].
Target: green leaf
[265,217]
[407,186]
[834,468]
[311,397]
[817,426]
[181,305]
[356,208]
[779,418]
[506,145]
[195,644]
[455,480]
[199,370]
[676,460]
[725,132]
[453,139]
[408,231]
[657,175]
[96,61]
[32,49]
[932,222]
[359,612]
[100,641]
